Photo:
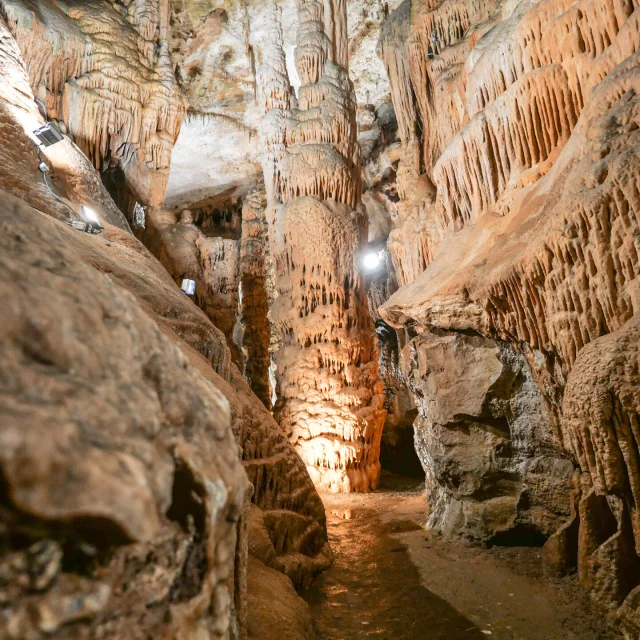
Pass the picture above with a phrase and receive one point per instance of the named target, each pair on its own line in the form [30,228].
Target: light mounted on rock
[188,286]
[90,224]
[48,134]
[372,260]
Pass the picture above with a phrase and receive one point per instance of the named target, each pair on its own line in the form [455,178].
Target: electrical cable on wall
[46,136]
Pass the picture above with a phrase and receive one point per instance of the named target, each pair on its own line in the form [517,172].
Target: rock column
[330,400]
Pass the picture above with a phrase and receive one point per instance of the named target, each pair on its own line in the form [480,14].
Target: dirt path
[392,581]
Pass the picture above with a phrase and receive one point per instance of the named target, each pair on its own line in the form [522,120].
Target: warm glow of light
[89,215]
[372,260]
[30,122]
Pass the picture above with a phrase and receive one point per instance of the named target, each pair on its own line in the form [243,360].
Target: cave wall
[511,205]
[162,473]
[518,224]
[104,72]
[122,488]
[494,464]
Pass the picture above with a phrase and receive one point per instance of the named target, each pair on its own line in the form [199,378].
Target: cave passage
[319,319]
[394,580]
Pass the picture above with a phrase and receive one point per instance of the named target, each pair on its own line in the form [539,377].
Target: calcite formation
[329,398]
[601,429]
[256,288]
[70,171]
[199,250]
[224,250]
[201,405]
[217,49]
[281,485]
[103,70]
[519,223]
[145,488]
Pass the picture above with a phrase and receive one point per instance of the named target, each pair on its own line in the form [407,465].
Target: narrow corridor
[391,580]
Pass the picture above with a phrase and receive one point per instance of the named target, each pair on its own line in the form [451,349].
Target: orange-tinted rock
[277,611]
[113,446]
[600,428]
[329,399]
[103,68]
[524,117]
[256,289]
[157,492]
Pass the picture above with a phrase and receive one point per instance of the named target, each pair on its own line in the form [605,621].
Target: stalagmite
[152,477]
[453,258]
[329,398]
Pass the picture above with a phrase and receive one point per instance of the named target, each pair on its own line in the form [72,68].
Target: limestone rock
[71,173]
[277,611]
[257,291]
[217,50]
[397,447]
[203,254]
[484,436]
[103,68]
[113,447]
[160,555]
[523,116]
[289,505]
[504,273]
[282,486]
[600,428]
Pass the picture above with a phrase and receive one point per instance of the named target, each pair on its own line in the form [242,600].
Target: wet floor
[391,581]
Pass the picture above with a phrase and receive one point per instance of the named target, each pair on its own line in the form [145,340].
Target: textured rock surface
[329,398]
[601,428]
[256,282]
[218,48]
[189,249]
[19,117]
[277,611]
[103,69]
[510,202]
[137,394]
[494,470]
[282,487]
[397,447]
[120,473]
[518,221]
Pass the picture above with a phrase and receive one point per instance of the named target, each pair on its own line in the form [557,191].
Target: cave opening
[398,453]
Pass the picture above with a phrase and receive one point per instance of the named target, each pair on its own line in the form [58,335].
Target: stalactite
[119,113]
[529,116]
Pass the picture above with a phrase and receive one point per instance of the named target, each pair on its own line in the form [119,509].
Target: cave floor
[392,580]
